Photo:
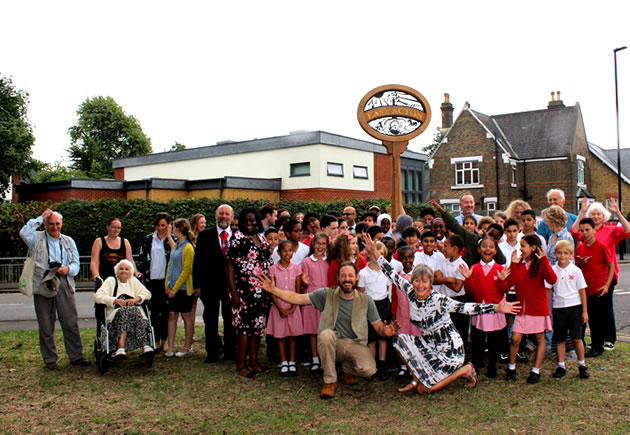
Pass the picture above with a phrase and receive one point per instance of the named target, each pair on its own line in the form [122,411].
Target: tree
[56,172]
[177,147]
[16,134]
[103,133]
[437,139]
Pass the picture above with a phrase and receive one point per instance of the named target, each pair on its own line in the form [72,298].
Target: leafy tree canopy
[16,135]
[177,147]
[103,133]
[56,172]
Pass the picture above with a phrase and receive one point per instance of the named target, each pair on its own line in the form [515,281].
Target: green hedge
[85,220]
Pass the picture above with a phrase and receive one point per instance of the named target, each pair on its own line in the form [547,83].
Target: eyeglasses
[348,214]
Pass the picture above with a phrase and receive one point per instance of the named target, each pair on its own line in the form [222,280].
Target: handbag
[25,284]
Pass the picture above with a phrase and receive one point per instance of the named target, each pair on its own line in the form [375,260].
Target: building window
[411,183]
[452,207]
[302,169]
[580,173]
[360,172]
[335,169]
[466,173]
[491,208]
[513,176]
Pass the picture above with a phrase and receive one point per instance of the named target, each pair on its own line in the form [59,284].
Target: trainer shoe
[559,373]
[609,346]
[533,378]
[584,374]
[328,390]
[504,358]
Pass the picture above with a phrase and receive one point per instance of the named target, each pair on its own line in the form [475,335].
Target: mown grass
[187,395]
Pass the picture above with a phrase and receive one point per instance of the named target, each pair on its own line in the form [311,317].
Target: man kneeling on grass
[343,327]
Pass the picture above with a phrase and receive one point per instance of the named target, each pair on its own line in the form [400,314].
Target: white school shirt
[377,285]
[433,261]
[298,256]
[450,269]
[566,288]
[507,250]
[397,265]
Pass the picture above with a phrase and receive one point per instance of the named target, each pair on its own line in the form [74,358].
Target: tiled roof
[537,134]
[625,159]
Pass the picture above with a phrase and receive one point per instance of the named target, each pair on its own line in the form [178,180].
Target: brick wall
[63,194]
[383,168]
[119,174]
[605,183]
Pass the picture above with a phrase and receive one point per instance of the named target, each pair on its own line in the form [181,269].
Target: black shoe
[491,372]
[521,357]
[510,375]
[533,378]
[211,359]
[504,358]
[52,366]
[83,362]
[593,353]
[381,373]
[584,374]
[559,373]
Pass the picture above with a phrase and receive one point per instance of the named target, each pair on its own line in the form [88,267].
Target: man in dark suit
[209,280]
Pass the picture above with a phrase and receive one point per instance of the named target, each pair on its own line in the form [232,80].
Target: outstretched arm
[370,247]
[386,330]
[293,298]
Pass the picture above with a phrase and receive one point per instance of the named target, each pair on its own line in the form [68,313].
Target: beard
[344,288]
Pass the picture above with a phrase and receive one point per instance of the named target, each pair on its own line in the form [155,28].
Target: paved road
[17,312]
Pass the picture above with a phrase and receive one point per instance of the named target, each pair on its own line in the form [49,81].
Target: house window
[513,176]
[580,173]
[335,169]
[452,207]
[360,172]
[491,208]
[411,183]
[466,173]
[302,169]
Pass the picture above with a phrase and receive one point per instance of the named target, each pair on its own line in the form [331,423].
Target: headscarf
[402,222]
[380,218]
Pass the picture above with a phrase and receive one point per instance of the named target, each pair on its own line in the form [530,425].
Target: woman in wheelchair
[128,325]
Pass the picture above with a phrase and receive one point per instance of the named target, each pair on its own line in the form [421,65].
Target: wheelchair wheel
[102,362]
[97,348]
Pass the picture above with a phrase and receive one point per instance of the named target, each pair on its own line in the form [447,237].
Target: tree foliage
[103,133]
[437,139]
[16,135]
[55,172]
[177,147]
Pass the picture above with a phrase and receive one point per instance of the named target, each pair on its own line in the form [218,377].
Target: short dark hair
[531,213]
[309,216]
[361,227]
[243,214]
[326,220]
[289,225]
[267,209]
[374,230]
[404,248]
[270,230]
[497,227]
[509,223]
[588,221]
[334,213]
[161,215]
[281,221]
[456,240]
[427,211]
[369,214]
[284,242]
[347,263]
[428,234]
[410,232]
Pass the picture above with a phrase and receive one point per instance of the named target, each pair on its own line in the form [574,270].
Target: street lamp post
[622,246]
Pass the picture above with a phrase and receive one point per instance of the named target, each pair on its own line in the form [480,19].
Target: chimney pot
[553,96]
[447,113]
[558,95]
[446,97]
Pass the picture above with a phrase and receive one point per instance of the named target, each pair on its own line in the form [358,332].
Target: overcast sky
[202,72]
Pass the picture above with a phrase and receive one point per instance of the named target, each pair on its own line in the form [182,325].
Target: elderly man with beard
[343,327]
[209,280]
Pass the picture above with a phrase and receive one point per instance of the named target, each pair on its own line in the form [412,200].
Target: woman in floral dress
[249,256]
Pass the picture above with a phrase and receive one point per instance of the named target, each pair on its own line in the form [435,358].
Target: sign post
[394,114]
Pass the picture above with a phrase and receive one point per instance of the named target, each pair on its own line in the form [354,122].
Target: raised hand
[265,283]
[613,205]
[306,280]
[370,247]
[584,205]
[465,270]
[433,203]
[507,307]
[539,253]
[514,258]
[503,274]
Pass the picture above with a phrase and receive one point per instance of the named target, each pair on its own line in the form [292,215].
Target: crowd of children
[557,282]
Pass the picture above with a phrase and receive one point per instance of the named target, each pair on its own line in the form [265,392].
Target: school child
[329,225]
[470,224]
[378,286]
[569,307]
[429,255]
[272,236]
[449,281]
[390,245]
[293,233]
[427,215]
[529,275]
[285,320]
[483,225]
[400,307]
[314,276]
[411,236]
[598,268]
[419,224]
[483,284]
[345,248]
[511,243]
[528,226]
[439,229]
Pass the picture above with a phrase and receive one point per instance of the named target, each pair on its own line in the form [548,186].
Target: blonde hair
[516,203]
[556,215]
[563,244]
[486,220]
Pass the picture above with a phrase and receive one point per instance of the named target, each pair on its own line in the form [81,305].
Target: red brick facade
[119,174]
[64,194]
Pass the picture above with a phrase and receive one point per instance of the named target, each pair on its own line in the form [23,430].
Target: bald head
[224,216]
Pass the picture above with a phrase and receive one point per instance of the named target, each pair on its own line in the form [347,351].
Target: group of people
[354,289]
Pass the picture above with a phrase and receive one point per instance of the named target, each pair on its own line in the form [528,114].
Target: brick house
[500,158]
[604,173]
[307,165]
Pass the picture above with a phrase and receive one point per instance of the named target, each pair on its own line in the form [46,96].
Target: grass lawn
[187,395]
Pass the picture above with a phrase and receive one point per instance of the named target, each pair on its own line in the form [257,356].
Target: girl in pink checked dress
[314,276]
[285,320]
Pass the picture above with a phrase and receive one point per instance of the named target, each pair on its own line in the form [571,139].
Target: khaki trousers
[355,358]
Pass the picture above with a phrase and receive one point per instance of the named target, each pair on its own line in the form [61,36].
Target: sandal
[284,369]
[292,368]
[402,373]
[316,368]
[472,379]
[247,372]
[260,369]
[411,386]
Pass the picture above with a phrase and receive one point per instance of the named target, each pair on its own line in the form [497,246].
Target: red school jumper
[486,289]
[531,292]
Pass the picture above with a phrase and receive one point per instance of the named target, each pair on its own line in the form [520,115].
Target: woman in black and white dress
[436,358]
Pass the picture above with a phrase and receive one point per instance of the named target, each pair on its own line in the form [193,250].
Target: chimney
[555,102]
[447,113]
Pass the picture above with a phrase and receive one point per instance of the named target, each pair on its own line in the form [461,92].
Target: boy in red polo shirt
[599,270]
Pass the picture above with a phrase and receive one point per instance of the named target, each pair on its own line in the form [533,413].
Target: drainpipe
[221,187]
[496,169]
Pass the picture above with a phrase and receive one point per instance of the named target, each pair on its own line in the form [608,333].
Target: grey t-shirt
[344,318]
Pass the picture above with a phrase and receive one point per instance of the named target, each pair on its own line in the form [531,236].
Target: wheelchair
[103,349]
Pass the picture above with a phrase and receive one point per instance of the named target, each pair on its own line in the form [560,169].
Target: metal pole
[621,250]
